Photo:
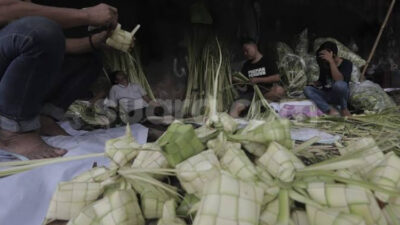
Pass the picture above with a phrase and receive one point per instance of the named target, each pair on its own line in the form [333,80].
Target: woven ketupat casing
[280,162]
[348,199]
[70,198]
[228,200]
[122,150]
[96,174]
[152,198]
[386,174]
[179,143]
[121,207]
[239,165]
[152,201]
[221,144]
[150,160]
[169,215]
[197,171]
[86,217]
[327,216]
[369,152]
[267,132]
[269,215]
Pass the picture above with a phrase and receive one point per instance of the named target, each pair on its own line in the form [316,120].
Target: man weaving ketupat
[261,71]
[42,72]
[332,86]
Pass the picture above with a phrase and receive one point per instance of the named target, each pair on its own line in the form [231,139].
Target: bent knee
[308,91]
[279,91]
[340,86]
[43,32]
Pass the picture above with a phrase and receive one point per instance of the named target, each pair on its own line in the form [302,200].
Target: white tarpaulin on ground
[25,197]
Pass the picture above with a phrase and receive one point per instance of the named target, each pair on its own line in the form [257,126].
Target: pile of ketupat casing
[226,175]
[299,67]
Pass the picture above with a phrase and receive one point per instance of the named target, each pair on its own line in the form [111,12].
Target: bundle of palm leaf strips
[203,65]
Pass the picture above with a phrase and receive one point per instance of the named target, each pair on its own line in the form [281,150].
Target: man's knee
[308,91]
[279,91]
[340,86]
[44,33]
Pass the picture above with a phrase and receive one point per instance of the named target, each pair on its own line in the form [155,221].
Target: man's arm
[336,74]
[266,80]
[82,45]
[100,15]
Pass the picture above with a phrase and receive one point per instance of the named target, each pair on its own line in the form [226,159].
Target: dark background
[165,23]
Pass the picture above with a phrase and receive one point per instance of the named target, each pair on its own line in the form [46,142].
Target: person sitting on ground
[332,86]
[133,97]
[262,71]
[42,73]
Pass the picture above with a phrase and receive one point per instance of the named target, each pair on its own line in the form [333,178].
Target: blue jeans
[338,95]
[35,74]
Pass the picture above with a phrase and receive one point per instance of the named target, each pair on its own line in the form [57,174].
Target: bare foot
[29,145]
[333,112]
[49,127]
[346,112]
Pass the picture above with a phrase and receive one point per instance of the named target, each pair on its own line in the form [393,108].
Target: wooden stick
[377,40]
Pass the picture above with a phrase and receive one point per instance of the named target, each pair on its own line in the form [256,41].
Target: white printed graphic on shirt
[257,72]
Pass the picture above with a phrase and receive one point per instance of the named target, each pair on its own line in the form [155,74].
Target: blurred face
[322,63]
[250,51]
[121,79]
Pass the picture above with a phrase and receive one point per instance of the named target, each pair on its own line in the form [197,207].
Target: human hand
[99,39]
[326,55]
[254,80]
[102,15]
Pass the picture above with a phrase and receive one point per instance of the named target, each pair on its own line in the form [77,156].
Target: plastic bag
[355,74]
[369,96]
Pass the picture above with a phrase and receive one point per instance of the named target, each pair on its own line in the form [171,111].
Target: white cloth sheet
[25,197]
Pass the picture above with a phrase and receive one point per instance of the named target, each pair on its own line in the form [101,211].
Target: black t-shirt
[263,68]
[346,68]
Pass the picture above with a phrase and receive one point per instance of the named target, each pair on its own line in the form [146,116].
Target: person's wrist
[85,17]
[92,43]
